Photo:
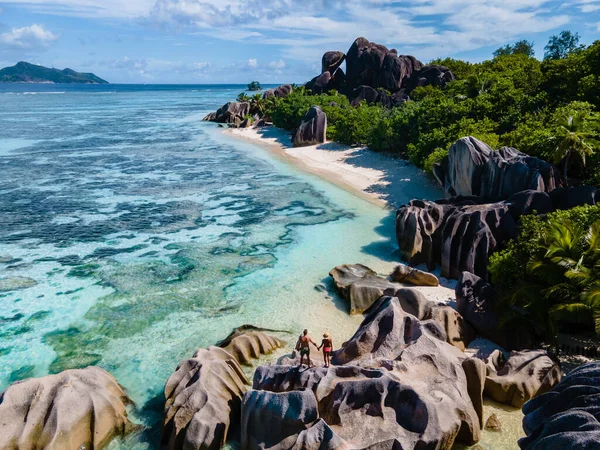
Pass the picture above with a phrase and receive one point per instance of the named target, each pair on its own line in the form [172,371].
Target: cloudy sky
[228,41]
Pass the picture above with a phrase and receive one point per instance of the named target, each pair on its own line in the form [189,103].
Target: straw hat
[326,335]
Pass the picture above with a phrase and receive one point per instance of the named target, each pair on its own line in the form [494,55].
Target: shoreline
[378,178]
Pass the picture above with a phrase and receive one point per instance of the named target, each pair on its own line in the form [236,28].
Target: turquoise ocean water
[133,233]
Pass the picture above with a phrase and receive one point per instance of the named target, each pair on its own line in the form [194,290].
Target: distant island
[24,72]
[254,86]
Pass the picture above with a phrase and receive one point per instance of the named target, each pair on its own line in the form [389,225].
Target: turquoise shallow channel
[134,233]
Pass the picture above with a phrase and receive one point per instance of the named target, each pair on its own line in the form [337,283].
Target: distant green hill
[24,72]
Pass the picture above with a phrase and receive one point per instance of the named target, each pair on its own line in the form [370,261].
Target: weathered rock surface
[274,420]
[395,384]
[312,130]
[461,233]
[331,61]
[75,409]
[493,423]
[432,74]
[567,416]
[473,168]
[246,345]
[375,74]
[416,277]
[203,397]
[360,286]
[476,301]
[230,112]
[458,332]
[280,92]
[320,83]
[525,375]
[374,65]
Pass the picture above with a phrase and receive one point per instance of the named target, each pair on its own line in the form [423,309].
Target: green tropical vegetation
[549,276]
[547,109]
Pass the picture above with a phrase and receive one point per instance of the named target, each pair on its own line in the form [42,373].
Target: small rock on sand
[493,423]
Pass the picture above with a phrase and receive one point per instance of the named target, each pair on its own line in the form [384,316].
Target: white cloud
[89,8]
[30,38]
[598,27]
[588,6]
[460,25]
[252,63]
[277,64]
[427,28]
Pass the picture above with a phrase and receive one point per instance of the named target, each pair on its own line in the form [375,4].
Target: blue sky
[236,41]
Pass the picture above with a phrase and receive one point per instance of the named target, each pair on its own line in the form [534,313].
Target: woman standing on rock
[327,344]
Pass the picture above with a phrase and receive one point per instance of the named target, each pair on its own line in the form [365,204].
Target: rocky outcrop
[476,301]
[566,416]
[473,168]
[374,65]
[416,277]
[280,92]
[525,375]
[230,112]
[433,74]
[75,409]
[247,345]
[331,61]
[203,397]
[312,130]
[360,286]
[320,83]
[274,420]
[458,332]
[395,384]
[461,233]
[375,74]
[363,289]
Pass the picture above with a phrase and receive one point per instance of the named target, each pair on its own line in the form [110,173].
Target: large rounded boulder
[72,410]
[312,130]
[567,416]
[331,61]
[360,286]
[477,302]
[203,397]
[525,375]
[248,343]
[474,168]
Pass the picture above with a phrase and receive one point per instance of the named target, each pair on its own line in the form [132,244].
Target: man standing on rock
[303,345]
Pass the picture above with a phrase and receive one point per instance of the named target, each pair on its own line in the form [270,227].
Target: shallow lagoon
[149,234]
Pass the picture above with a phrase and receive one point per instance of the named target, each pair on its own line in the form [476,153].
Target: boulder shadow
[386,249]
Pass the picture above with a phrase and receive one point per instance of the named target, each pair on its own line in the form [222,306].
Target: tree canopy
[562,45]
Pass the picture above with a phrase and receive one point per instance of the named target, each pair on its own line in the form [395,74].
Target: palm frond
[572,313]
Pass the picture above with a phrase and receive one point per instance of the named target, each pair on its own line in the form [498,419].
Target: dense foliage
[547,109]
[550,274]
[254,86]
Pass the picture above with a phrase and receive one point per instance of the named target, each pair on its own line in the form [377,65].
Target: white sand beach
[377,177]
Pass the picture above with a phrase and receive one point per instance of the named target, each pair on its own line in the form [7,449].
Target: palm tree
[257,104]
[569,272]
[571,137]
[243,97]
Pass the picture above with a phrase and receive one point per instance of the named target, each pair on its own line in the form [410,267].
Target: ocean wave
[36,93]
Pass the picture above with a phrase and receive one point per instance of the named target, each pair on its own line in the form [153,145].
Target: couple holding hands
[303,346]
